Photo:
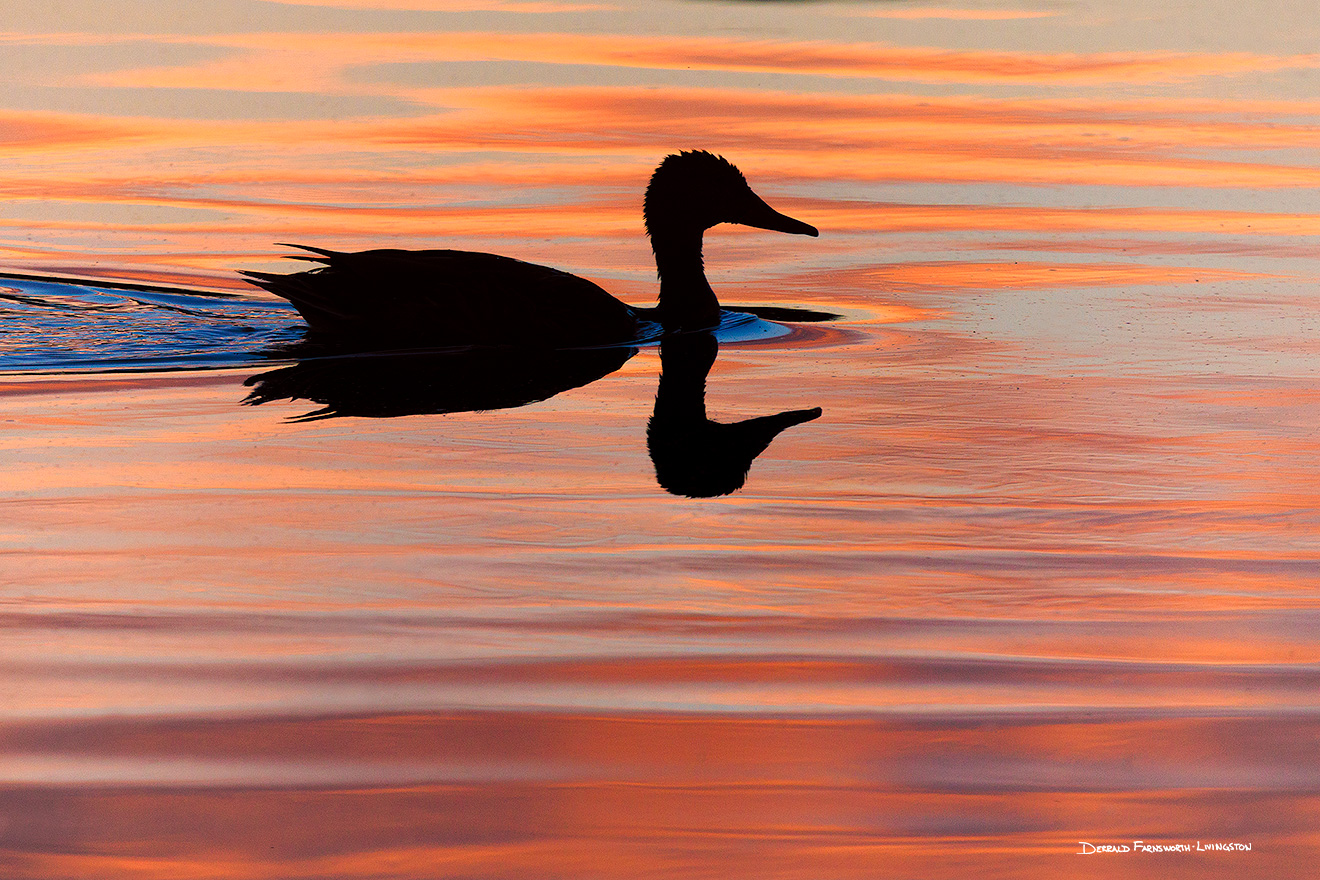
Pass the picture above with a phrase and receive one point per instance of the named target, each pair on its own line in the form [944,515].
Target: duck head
[694,190]
[689,193]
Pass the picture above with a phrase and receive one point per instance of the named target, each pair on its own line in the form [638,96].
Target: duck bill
[762,216]
[785,420]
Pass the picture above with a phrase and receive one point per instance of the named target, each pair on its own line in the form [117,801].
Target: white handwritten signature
[1089,849]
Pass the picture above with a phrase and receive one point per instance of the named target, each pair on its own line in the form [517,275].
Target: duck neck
[686,299]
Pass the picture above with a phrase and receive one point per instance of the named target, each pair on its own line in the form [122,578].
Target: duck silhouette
[405,299]
[694,455]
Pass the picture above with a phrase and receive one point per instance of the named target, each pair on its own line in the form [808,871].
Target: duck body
[403,299]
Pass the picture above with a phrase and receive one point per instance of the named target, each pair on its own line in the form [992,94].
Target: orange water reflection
[1044,571]
[623,796]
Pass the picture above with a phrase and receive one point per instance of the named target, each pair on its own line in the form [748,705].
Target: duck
[426,298]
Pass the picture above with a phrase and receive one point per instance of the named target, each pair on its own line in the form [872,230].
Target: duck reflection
[404,383]
[693,455]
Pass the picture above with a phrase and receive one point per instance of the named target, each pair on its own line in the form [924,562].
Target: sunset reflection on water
[1044,571]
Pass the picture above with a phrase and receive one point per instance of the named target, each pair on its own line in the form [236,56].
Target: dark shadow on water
[693,455]
[405,383]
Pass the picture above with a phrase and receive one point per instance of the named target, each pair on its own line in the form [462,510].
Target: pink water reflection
[1044,571]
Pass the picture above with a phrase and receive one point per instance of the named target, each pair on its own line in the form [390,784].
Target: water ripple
[59,326]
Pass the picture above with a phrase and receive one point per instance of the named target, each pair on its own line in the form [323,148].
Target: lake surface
[1044,573]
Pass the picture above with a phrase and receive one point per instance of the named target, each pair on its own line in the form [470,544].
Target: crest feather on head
[685,174]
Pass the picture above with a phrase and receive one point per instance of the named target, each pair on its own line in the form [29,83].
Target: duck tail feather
[267,280]
[316,306]
[325,253]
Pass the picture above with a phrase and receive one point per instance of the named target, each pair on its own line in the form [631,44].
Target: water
[54,325]
[1043,570]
